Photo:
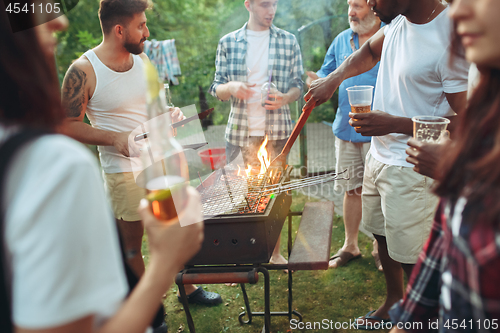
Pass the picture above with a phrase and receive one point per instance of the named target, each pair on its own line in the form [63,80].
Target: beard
[134,48]
[365,25]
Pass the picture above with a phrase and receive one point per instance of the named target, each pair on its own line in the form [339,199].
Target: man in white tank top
[108,84]
[415,78]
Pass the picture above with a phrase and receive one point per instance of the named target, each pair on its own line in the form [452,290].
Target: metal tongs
[200,116]
[280,160]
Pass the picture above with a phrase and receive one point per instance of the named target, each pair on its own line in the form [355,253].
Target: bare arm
[77,84]
[361,61]
[170,247]
[458,102]
[377,123]
[240,90]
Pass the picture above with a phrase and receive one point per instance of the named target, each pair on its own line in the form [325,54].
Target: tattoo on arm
[74,91]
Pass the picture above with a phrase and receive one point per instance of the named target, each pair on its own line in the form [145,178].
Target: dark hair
[113,12]
[29,93]
[470,167]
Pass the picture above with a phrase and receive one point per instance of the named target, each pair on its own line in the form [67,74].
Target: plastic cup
[429,128]
[360,98]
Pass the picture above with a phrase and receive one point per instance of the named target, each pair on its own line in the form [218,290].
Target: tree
[197,26]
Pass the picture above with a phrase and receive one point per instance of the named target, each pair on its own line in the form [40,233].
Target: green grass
[337,295]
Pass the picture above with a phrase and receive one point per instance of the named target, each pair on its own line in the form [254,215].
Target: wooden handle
[298,127]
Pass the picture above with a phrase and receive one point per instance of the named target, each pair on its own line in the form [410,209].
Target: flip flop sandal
[202,297]
[161,329]
[344,257]
[379,323]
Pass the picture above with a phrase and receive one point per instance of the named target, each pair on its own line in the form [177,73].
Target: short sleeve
[454,73]
[61,238]
[395,22]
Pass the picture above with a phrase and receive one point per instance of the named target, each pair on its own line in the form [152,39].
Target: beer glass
[360,98]
[429,128]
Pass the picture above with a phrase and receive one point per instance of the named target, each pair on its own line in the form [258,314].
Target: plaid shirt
[285,61]
[456,280]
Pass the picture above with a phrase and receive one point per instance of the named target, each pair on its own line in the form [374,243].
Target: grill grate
[233,194]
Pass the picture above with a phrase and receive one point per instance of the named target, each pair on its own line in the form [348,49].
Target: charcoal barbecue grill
[244,215]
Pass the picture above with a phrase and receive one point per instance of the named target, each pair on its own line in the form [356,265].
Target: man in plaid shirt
[245,60]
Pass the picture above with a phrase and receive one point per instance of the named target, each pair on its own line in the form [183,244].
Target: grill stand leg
[290,298]
[291,312]
[185,303]
[247,307]
[267,304]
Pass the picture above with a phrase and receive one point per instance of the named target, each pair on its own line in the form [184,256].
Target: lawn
[334,295]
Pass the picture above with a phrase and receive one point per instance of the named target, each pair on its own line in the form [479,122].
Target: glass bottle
[165,171]
[266,90]
[169,104]
[168,96]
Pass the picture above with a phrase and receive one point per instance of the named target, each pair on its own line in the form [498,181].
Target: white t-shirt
[257,69]
[61,238]
[413,77]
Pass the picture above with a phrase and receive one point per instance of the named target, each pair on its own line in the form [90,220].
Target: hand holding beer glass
[360,98]
[429,128]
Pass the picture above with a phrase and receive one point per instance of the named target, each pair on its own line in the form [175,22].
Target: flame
[248,170]
[262,154]
[239,170]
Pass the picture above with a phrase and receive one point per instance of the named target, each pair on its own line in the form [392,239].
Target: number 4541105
[479,324]
[15,8]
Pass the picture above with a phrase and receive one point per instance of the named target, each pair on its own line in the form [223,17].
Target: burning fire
[262,154]
[264,158]
[248,170]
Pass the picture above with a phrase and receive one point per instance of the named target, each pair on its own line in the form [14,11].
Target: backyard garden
[329,300]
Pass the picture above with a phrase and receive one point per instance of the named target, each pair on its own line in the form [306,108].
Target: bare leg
[376,256]
[408,268]
[393,273]
[352,218]
[276,257]
[131,232]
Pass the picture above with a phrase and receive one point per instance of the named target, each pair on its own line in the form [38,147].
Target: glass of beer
[429,128]
[360,98]
[167,197]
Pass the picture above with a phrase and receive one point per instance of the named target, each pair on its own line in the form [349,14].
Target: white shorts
[124,194]
[350,156]
[398,204]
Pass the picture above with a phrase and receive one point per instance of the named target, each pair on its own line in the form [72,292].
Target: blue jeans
[274,148]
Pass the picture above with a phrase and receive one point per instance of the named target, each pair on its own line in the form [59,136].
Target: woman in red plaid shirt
[455,286]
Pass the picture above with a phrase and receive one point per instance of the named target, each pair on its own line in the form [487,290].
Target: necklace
[427,20]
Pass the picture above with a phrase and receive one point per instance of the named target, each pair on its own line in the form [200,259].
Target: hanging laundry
[163,56]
